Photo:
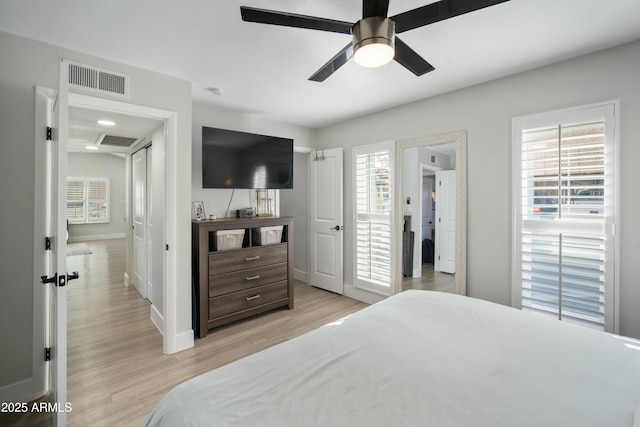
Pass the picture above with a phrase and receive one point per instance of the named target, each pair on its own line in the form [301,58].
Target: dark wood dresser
[232,284]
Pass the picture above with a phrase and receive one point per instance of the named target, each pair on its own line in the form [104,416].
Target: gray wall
[90,165]
[26,64]
[295,203]
[292,202]
[217,201]
[485,112]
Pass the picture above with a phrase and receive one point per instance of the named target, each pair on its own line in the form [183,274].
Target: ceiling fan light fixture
[373,41]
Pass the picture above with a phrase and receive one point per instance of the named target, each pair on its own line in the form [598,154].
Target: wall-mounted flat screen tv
[232,159]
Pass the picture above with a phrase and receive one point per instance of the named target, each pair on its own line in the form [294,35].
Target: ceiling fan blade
[409,59]
[438,11]
[375,8]
[251,14]
[334,63]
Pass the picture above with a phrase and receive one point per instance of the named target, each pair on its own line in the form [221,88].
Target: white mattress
[422,358]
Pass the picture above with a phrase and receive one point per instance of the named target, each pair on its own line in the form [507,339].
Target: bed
[422,358]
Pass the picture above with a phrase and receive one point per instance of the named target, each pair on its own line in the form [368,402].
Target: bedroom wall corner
[485,112]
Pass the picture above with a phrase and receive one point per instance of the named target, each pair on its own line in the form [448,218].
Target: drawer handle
[257,276]
[253,297]
[252,258]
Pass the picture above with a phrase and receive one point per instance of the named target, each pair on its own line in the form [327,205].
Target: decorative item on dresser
[241,267]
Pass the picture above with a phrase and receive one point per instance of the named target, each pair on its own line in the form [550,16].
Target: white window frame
[610,111]
[374,286]
[87,200]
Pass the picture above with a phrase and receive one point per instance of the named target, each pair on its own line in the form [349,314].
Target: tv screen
[232,159]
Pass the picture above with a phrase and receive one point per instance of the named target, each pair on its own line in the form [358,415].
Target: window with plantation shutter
[98,200]
[75,200]
[564,193]
[373,174]
[87,200]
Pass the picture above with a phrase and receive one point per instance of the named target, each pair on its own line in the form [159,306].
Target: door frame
[460,140]
[44,263]
[44,99]
[172,340]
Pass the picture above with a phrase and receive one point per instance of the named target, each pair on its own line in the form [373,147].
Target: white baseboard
[303,276]
[184,340]
[362,295]
[87,238]
[20,392]
[157,319]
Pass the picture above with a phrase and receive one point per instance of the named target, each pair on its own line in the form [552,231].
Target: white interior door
[149,216]
[138,194]
[326,225]
[445,244]
[56,229]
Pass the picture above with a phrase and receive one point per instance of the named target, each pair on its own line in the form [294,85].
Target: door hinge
[49,133]
[47,243]
[166,246]
[47,354]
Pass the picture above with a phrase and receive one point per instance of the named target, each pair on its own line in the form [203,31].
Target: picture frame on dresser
[198,211]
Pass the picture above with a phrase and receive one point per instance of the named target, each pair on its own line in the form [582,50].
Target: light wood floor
[117,372]
[431,281]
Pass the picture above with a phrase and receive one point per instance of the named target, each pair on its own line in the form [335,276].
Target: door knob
[337,228]
[72,276]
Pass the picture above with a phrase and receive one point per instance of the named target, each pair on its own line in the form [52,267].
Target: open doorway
[108,194]
[109,205]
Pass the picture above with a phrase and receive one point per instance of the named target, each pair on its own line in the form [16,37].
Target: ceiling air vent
[97,80]
[116,141]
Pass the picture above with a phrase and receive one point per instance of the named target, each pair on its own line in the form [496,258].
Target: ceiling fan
[374,36]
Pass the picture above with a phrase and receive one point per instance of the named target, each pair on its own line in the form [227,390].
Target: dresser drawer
[238,280]
[228,261]
[246,299]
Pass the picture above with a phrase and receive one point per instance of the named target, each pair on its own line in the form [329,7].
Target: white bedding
[422,358]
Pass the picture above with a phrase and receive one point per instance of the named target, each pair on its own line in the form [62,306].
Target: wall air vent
[116,141]
[97,80]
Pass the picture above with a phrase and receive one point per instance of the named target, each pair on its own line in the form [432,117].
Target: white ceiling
[84,129]
[263,69]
